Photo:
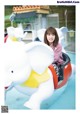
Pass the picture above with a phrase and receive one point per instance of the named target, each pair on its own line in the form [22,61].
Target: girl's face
[50,38]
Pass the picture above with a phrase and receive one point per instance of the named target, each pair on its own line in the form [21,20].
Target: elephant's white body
[39,94]
[15,34]
[19,61]
[44,91]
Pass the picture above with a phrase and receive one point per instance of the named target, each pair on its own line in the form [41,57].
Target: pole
[11,23]
[66,17]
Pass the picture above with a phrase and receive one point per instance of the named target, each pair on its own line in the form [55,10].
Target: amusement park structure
[34,16]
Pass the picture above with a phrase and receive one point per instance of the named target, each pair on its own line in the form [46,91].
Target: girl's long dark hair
[51,30]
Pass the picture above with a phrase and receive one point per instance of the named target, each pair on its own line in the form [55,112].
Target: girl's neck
[50,43]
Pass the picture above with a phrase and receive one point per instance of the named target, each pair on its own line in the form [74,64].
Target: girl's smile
[50,38]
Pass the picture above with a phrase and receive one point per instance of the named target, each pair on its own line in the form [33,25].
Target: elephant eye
[12,71]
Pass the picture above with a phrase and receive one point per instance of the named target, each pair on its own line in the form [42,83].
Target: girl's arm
[57,52]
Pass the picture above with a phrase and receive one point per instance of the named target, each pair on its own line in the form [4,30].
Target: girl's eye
[12,71]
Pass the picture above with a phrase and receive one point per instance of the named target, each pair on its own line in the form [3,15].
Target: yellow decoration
[36,79]
[13,38]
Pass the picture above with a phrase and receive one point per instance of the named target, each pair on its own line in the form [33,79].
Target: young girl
[51,38]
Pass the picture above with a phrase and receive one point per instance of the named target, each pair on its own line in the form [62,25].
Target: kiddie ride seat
[65,71]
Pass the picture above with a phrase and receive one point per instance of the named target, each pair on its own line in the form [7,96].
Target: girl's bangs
[50,32]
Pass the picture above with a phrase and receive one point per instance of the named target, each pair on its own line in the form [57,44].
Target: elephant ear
[64,29]
[40,56]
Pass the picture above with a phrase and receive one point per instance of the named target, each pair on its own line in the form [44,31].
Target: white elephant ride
[29,69]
